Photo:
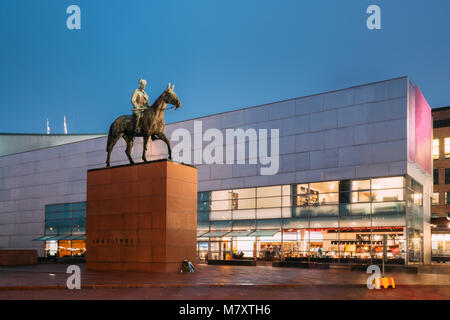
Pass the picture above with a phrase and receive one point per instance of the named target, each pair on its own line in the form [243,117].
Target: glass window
[447,148]
[245,193]
[65,215]
[51,215]
[78,214]
[302,200]
[388,183]
[286,201]
[202,216]
[79,206]
[244,204]
[65,223]
[51,208]
[435,215]
[324,198]
[203,196]
[220,215]
[221,195]
[269,191]
[435,199]
[268,213]
[436,176]
[286,190]
[360,185]
[244,214]
[388,195]
[324,187]
[271,202]
[435,149]
[302,189]
[203,206]
[447,198]
[361,196]
[360,209]
[417,198]
[447,176]
[344,191]
[220,205]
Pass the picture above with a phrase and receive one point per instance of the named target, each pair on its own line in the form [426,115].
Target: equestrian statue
[147,121]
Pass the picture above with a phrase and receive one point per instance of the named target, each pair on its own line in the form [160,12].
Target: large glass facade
[440,245]
[414,221]
[65,229]
[335,221]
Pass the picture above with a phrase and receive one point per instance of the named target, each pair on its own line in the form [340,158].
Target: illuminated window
[388,195]
[245,193]
[269,191]
[324,192]
[447,198]
[435,199]
[361,196]
[435,149]
[302,191]
[447,148]
[388,183]
[269,202]
[324,187]
[220,205]
[360,185]
[244,204]
[221,195]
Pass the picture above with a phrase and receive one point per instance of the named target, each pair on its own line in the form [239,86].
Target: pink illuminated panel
[422,149]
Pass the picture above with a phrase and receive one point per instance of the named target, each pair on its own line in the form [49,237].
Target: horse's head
[170,97]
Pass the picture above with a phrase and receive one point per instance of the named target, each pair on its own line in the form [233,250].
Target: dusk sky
[221,55]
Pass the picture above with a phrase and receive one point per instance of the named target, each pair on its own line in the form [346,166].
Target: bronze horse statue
[151,125]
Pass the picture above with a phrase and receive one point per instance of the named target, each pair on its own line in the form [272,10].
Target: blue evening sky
[221,55]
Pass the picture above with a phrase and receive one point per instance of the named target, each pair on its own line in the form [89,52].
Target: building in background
[440,210]
[354,179]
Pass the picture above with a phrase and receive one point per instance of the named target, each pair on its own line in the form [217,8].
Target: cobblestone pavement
[216,282]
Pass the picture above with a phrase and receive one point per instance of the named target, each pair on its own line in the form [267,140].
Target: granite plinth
[141,217]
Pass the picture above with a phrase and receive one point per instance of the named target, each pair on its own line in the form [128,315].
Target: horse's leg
[163,137]
[110,147]
[130,141]
[144,151]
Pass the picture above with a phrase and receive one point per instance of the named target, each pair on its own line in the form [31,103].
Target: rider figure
[139,100]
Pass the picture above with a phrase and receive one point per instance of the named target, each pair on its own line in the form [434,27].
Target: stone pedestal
[141,217]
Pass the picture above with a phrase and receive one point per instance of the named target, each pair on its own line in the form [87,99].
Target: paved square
[220,282]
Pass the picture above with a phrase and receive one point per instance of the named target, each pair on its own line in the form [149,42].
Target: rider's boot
[136,127]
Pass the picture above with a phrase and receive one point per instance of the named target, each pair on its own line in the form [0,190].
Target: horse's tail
[110,133]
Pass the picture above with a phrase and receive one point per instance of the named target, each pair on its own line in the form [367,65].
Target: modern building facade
[440,210]
[349,178]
